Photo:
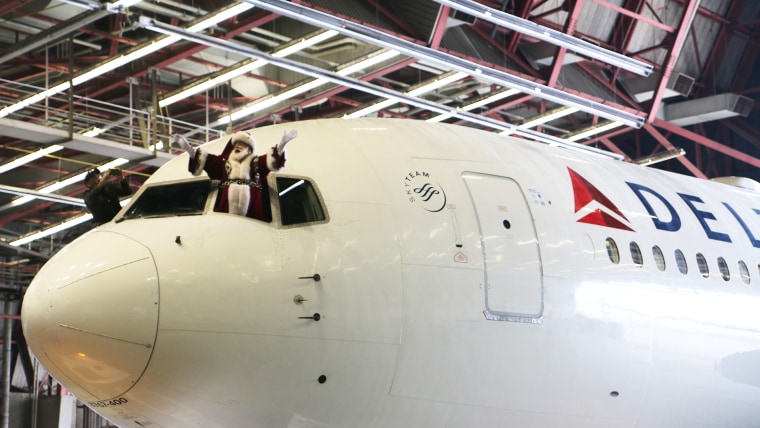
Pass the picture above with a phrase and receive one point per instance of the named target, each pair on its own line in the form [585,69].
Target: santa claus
[242,173]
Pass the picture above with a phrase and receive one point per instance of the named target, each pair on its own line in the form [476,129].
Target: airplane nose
[91,314]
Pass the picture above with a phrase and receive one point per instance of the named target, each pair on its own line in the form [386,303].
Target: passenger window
[723,267]
[702,264]
[659,259]
[638,259]
[681,262]
[299,201]
[178,199]
[614,254]
[744,272]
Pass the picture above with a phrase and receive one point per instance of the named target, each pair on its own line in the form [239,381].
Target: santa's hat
[245,138]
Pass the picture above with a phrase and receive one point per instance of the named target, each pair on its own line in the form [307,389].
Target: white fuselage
[465,279]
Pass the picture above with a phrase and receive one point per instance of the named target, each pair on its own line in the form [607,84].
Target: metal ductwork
[541,54]
[642,88]
[702,110]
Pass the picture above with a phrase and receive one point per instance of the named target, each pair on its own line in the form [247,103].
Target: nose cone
[91,314]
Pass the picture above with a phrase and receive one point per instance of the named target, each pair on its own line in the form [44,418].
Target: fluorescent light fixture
[123,4]
[203,85]
[322,76]
[304,43]
[246,67]
[265,102]
[52,229]
[446,60]
[493,97]
[158,146]
[86,4]
[71,180]
[369,61]
[94,132]
[429,86]
[269,101]
[372,108]
[66,224]
[540,119]
[550,35]
[29,158]
[544,118]
[128,57]
[659,157]
[593,130]
[43,196]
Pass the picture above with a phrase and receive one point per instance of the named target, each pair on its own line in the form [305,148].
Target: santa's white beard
[238,156]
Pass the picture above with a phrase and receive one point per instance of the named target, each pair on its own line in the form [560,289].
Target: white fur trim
[271,161]
[240,169]
[238,196]
[203,155]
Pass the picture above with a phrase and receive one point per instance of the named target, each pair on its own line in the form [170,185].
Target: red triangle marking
[585,192]
[599,218]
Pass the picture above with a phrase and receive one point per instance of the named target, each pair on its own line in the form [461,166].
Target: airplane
[414,274]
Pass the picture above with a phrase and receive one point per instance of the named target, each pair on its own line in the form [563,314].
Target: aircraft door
[514,288]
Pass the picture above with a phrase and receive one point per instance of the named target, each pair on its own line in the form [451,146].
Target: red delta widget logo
[600,211]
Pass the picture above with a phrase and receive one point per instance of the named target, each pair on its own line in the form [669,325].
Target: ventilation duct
[541,54]
[457,17]
[701,110]
[642,88]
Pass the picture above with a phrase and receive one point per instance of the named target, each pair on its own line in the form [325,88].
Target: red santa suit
[243,189]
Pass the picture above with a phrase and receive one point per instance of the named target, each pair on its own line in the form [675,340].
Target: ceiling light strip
[323,76]
[245,67]
[131,55]
[549,35]
[593,130]
[431,85]
[52,229]
[493,97]
[540,119]
[448,61]
[23,160]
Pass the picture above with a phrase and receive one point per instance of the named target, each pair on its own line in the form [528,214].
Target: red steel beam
[704,141]
[671,57]
[514,38]
[637,16]
[12,5]
[559,58]
[440,27]
[669,146]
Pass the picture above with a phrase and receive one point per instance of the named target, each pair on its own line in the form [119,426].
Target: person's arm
[122,188]
[276,156]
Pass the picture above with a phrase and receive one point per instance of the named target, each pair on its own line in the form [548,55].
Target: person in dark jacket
[102,198]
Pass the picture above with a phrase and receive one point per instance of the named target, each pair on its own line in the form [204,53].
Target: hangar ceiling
[85,83]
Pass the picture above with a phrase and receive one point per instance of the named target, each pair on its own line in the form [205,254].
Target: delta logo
[594,207]
[666,211]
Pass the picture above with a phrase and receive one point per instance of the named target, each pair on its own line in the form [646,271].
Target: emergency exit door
[512,274]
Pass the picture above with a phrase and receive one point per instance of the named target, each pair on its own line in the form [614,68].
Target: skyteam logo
[421,191]
[594,207]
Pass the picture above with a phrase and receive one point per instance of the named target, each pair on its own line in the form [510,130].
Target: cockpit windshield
[186,198]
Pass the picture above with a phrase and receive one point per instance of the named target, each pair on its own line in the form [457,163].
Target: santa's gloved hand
[180,141]
[287,136]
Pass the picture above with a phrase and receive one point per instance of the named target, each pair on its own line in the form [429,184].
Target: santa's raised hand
[287,136]
[180,141]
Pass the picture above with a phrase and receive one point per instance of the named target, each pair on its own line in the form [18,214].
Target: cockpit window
[299,201]
[187,198]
